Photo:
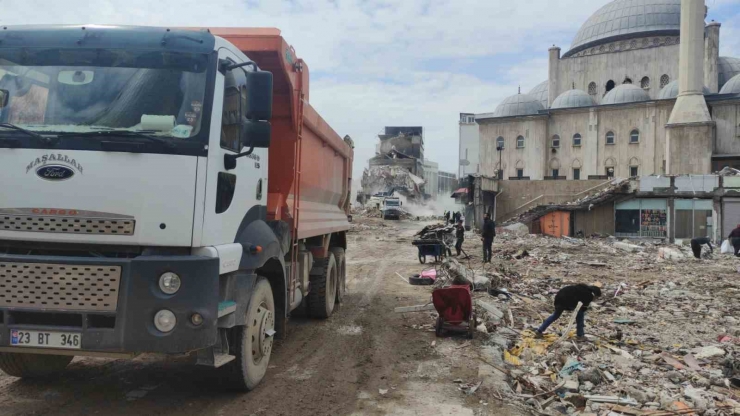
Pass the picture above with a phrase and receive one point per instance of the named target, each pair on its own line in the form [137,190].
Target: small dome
[732,86]
[540,92]
[727,68]
[573,99]
[626,19]
[670,91]
[518,105]
[625,93]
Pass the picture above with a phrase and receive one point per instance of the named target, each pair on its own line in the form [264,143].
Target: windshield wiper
[124,133]
[45,139]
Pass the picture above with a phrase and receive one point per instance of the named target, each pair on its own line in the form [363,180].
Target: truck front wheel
[323,291]
[341,259]
[253,341]
[32,365]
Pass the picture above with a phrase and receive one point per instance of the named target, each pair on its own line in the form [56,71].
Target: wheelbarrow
[455,307]
[434,248]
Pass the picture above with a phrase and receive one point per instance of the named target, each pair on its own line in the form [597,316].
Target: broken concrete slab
[630,248]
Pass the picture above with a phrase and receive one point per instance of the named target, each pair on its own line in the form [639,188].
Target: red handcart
[455,307]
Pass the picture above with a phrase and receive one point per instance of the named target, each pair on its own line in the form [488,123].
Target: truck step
[222,359]
[226,307]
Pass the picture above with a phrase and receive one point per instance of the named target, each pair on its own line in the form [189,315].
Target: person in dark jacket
[734,238]
[447,217]
[566,300]
[489,232]
[696,244]
[460,234]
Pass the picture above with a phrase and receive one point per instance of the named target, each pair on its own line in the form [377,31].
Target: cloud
[384,62]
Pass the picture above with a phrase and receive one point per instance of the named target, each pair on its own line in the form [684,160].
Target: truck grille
[67,225]
[61,287]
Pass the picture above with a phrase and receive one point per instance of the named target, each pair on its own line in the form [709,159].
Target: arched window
[610,138]
[610,85]
[645,83]
[555,141]
[592,89]
[500,143]
[520,142]
[576,140]
[664,80]
[627,80]
[635,136]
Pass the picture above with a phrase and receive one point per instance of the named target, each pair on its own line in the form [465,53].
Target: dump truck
[165,190]
[392,208]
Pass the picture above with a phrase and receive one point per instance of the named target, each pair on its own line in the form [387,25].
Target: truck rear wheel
[323,292]
[341,259]
[33,365]
[253,342]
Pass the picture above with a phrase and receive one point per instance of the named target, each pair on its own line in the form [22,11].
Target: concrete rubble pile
[392,178]
[664,338]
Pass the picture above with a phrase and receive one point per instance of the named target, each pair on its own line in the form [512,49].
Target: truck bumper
[124,327]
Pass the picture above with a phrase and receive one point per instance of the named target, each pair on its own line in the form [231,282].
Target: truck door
[239,194]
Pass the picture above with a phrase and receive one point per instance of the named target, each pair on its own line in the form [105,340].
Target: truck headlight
[169,283]
[165,320]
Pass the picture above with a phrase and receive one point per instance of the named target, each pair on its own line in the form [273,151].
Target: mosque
[642,90]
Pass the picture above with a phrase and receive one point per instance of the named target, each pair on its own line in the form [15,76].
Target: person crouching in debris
[489,232]
[734,238]
[566,300]
[460,234]
[696,244]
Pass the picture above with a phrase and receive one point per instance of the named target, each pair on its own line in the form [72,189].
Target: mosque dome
[671,91]
[732,86]
[573,99]
[540,92]
[727,68]
[627,19]
[625,93]
[518,105]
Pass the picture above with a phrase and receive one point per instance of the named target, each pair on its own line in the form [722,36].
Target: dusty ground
[333,367]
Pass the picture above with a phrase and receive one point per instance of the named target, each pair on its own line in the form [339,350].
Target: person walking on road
[567,299]
[734,238]
[460,234]
[696,244]
[447,217]
[489,232]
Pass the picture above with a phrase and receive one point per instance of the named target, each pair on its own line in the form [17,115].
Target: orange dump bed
[310,165]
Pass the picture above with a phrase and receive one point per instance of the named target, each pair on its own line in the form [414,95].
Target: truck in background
[392,208]
[166,191]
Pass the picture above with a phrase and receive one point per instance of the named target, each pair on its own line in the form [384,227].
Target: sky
[376,63]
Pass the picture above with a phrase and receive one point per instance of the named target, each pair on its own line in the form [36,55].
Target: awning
[458,192]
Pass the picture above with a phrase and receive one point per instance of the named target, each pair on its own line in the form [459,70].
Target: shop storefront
[646,218]
[693,218]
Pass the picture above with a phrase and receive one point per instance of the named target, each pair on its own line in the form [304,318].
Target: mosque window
[627,80]
[520,142]
[555,141]
[664,80]
[610,138]
[500,143]
[645,83]
[576,140]
[610,85]
[633,44]
[635,136]
[592,89]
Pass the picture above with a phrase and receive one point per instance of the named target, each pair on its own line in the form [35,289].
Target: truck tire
[252,343]
[33,365]
[341,259]
[323,291]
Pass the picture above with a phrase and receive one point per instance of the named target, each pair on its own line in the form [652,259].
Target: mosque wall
[726,116]
[530,157]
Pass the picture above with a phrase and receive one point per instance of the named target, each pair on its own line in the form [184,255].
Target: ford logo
[54,173]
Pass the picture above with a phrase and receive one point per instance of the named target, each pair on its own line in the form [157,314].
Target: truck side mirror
[256,134]
[4,95]
[259,96]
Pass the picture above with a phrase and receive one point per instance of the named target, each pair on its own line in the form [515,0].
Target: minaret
[690,128]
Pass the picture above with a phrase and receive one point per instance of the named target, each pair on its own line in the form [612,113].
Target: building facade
[614,105]
[431,179]
[447,184]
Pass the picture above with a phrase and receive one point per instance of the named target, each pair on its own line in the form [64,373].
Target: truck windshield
[88,90]
[392,203]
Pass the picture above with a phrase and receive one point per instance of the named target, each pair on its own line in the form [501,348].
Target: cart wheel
[471,326]
[422,259]
[438,327]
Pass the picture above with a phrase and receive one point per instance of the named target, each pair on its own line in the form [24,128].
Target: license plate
[45,339]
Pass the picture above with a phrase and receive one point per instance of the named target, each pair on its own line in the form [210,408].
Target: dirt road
[333,367]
